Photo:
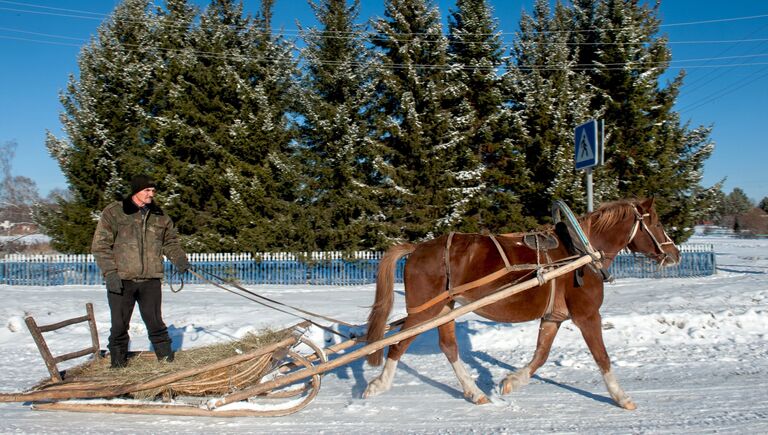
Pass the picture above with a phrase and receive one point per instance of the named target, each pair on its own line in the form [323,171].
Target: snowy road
[692,353]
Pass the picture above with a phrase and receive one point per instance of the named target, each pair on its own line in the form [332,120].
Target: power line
[15,38]
[447,66]
[40,34]
[353,34]
[50,7]
[723,92]
[728,41]
[719,20]
[371,36]
[51,13]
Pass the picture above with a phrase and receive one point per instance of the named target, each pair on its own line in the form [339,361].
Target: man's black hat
[141,182]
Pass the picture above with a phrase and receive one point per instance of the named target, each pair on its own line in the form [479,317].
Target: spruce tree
[648,150]
[494,174]
[339,195]
[763,205]
[421,159]
[549,99]
[104,122]
[225,134]
[200,102]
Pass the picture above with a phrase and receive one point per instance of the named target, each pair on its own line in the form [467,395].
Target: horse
[436,268]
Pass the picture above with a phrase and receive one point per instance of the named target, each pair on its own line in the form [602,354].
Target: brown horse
[444,264]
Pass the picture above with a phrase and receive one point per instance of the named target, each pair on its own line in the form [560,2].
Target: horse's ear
[647,204]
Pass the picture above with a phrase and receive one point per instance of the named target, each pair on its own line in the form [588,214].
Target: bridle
[661,256]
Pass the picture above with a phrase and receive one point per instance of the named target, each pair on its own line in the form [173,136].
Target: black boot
[118,357]
[164,351]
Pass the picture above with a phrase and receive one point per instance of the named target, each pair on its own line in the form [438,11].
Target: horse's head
[648,236]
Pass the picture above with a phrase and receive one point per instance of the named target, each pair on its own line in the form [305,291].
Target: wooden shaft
[502,293]
[344,345]
[338,347]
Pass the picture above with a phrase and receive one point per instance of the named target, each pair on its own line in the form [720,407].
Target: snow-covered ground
[25,239]
[692,353]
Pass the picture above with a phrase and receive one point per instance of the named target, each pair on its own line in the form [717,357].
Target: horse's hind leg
[451,350]
[519,378]
[383,382]
[592,332]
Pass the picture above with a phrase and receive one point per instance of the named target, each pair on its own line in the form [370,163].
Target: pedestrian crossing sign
[587,149]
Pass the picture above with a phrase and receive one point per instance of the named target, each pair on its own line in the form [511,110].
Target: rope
[255,297]
[181,279]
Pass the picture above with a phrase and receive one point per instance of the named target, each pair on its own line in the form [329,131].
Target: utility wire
[132,48]
[355,34]
[314,34]
[370,36]
[135,48]
[723,92]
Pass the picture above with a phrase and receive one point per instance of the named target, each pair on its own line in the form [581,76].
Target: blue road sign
[586,145]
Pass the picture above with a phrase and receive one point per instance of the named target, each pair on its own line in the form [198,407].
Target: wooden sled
[181,392]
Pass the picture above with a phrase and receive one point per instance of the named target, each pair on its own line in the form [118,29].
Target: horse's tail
[385,296]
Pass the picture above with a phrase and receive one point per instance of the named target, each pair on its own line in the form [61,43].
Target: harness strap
[470,285]
[447,259]
[501,251]
[552,287]
[551,303]
[452,291]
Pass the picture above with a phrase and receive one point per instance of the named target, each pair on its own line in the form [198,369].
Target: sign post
[589,151]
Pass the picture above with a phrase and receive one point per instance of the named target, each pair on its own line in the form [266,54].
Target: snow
[691,352]
[25,239]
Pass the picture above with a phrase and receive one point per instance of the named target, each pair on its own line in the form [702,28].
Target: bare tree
[18,194]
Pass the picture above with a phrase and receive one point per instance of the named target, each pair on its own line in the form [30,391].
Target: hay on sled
[213,382]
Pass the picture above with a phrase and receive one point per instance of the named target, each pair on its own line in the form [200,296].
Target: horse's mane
[610,213]
[606,216]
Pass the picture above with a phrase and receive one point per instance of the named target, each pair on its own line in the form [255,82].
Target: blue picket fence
[319,268]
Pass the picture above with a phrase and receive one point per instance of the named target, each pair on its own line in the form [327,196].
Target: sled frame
[51,362]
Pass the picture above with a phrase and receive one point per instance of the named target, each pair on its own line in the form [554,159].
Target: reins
[269,302]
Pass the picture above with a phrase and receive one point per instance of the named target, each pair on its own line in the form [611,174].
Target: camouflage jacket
[133,243]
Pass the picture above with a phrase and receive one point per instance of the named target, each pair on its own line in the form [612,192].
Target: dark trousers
[149,297]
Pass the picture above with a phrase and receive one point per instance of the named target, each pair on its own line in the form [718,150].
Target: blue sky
[723,46]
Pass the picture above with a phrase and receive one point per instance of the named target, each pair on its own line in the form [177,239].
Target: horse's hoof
[629,405]
[478,398]
[512,383]
[506,387]
[374,388]
[482,400]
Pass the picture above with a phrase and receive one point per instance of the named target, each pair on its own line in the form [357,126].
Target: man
[129,243]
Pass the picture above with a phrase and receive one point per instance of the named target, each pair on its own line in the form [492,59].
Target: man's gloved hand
[114,283]
[183,266]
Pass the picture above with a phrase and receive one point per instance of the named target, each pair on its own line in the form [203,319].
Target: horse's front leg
[519,378]
[591,330]
[450,348]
